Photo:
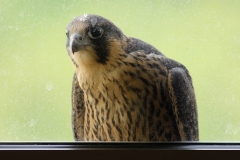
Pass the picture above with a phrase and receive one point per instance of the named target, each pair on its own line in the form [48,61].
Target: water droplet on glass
[49,86]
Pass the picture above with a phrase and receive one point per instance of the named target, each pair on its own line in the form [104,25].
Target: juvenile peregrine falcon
[125,89]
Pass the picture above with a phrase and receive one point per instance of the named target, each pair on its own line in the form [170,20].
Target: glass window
[36,72]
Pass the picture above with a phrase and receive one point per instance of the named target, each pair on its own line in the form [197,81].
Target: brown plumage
[125,89]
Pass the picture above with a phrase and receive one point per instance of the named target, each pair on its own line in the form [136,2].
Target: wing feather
[78,110]
[184,103]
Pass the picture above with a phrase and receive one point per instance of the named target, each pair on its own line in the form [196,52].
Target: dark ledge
[118,145]
[119,150]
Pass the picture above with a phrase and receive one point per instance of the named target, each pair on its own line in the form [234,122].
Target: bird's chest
[114,111]
[122,102]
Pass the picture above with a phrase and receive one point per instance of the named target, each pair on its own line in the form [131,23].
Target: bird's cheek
[85,56]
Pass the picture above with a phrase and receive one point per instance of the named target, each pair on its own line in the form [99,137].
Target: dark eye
[67,34]
[95,32]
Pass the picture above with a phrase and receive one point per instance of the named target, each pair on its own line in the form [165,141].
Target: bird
[124,89]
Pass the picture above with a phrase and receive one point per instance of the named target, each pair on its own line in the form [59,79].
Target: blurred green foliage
[36,72]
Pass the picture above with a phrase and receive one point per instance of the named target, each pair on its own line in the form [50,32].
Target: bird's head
[92,39]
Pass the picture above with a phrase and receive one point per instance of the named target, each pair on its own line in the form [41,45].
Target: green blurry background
[36,72]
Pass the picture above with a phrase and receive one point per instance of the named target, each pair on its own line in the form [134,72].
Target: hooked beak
[77,42]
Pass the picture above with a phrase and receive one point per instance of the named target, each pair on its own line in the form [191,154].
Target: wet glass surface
[36,72]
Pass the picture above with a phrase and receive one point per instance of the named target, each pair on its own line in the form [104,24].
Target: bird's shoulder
[134,44]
